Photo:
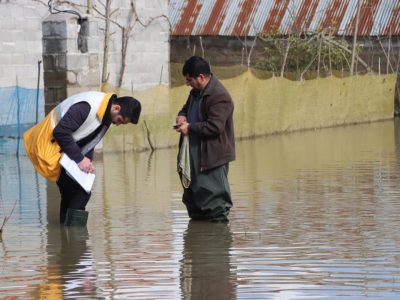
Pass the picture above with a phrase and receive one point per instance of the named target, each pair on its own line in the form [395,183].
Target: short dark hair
[130,108]
[195,66]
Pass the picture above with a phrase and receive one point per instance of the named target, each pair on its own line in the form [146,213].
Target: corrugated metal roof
[249,17]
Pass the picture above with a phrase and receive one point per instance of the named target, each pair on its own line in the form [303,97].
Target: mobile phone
[176,126]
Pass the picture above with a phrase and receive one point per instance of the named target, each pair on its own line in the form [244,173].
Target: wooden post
[89,7]
[353,55]
[379,66]
[201,45]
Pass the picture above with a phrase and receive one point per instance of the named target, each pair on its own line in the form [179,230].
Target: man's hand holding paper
[86,165]
[83,178]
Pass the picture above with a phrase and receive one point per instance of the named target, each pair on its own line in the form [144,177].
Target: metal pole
[37,91]
[18,118]
[353,55]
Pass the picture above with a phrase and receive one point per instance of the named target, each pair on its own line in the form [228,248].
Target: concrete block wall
[20,42]
[147,61]
[70,66]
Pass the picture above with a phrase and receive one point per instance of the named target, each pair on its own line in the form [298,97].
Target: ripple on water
[311,219]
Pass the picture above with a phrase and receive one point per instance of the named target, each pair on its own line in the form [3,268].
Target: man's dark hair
[195,66]
[130,108]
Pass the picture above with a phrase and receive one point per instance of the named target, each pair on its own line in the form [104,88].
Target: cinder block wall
[70,57]
[147,61]
[20,42]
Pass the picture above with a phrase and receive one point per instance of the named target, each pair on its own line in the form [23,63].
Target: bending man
[75,127]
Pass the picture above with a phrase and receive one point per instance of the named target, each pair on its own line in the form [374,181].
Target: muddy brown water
[316,215]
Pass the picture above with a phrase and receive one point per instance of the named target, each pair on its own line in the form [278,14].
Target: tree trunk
[104,74]
[353,55]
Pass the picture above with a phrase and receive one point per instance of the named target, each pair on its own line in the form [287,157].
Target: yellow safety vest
[40,145]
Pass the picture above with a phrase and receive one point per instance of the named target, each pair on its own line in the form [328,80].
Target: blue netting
[20,109]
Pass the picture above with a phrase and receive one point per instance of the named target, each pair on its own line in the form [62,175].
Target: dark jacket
[70,122]
[215,127]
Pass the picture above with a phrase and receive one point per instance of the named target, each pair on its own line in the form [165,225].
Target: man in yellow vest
[74,127]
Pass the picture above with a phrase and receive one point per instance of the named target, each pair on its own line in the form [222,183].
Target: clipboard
[84,179]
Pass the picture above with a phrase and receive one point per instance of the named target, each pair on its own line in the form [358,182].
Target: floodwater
[316,215]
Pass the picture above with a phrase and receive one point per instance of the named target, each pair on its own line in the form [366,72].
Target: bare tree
[126,34]
[133,19]
[42,2]
[107,15]
[353,54]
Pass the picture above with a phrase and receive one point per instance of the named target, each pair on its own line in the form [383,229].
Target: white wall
[148,51]
[20,42]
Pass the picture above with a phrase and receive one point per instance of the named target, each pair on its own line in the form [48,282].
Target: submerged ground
[316,215]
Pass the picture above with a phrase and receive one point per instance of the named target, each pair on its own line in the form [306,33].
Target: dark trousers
[72,194]
[208,196]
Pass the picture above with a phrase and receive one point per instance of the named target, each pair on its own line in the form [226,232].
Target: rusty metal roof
[249,17]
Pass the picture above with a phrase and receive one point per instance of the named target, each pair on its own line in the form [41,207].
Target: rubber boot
[76,217]
[62,217]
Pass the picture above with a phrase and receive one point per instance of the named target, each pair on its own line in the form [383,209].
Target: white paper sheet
[84,179]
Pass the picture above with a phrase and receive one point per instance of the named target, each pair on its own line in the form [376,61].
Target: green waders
[76,217]
[208,196]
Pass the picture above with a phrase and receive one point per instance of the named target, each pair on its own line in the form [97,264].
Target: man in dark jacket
[207,119]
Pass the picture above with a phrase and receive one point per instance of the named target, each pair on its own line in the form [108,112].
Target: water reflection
[396,126]
[316,215]
[69,271]
[70,267]
[205,271]
[22,199]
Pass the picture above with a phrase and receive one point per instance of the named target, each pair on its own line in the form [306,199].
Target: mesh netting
[21,108]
